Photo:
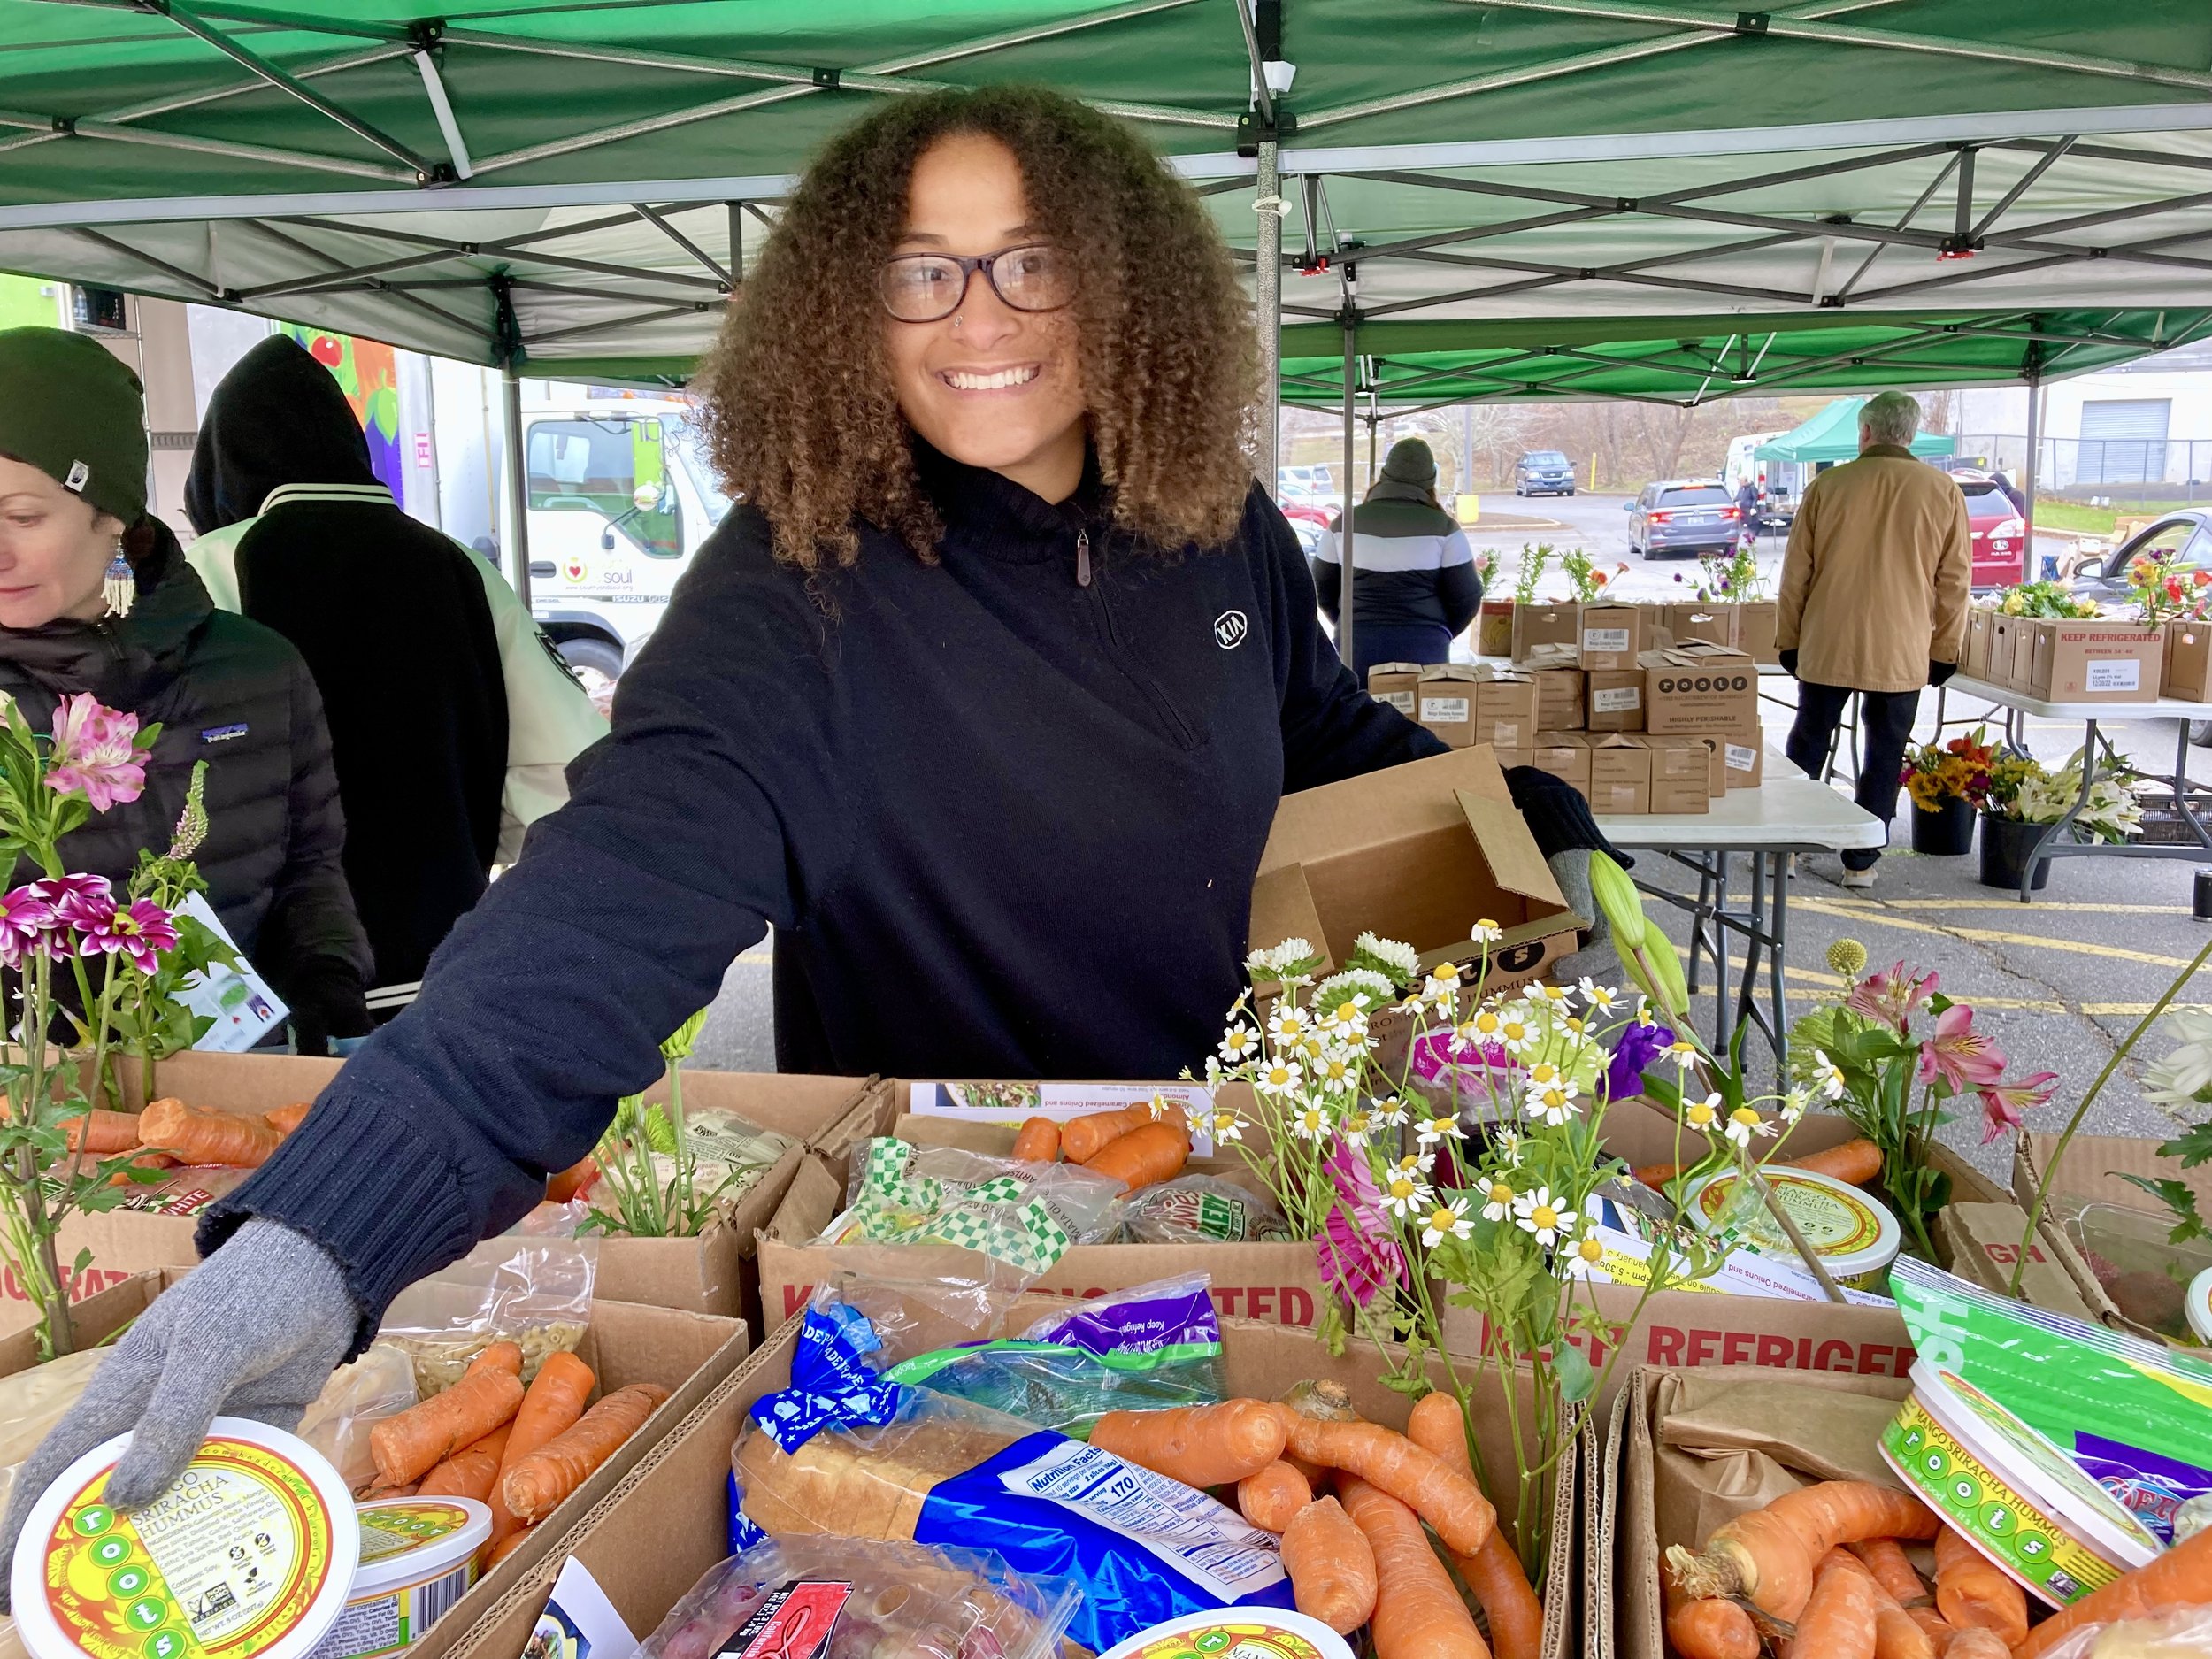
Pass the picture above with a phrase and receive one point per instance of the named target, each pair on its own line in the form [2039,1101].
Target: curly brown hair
[801,416]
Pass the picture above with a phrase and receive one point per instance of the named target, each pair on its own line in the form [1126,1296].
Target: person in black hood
[96,596]
[1415,586]
[450,716]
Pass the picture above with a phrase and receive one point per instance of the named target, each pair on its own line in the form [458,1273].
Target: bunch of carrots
[1856,1162]
[169,1132]
[1822,1570]
[1140,1146]
[1359,1553]
[522,1452]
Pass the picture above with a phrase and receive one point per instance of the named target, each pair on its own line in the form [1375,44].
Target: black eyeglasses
[927,287]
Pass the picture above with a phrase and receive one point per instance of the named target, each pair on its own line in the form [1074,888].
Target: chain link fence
[2129,473]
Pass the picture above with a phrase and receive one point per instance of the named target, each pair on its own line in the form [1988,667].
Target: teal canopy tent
[1833,435]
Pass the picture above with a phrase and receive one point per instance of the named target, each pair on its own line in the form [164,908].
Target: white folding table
[2098,758]
[1788,813]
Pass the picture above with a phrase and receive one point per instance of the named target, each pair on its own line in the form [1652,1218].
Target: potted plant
[2024,799]
[1947,785]
[1583,578]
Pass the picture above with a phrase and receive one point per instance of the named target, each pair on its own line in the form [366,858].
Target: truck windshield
[684,438]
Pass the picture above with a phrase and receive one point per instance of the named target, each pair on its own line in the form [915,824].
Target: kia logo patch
[1230,627]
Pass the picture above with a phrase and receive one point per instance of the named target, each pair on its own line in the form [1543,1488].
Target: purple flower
[1355,1252]
[140,930]
[26,918]
[1640,1044]
[95,753]
[76,902]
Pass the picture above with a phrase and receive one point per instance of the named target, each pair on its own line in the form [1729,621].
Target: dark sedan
[1685,517]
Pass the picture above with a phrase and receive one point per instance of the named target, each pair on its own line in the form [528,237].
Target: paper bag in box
[2187,672]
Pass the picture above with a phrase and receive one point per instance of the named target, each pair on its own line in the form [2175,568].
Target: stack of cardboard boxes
[2100,659]
[1645,709]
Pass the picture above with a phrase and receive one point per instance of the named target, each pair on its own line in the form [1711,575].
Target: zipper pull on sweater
[1082,558]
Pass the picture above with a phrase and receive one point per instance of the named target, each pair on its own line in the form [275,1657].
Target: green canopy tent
[1833,435]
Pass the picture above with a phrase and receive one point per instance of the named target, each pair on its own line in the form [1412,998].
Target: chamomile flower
[1278,1076]
[1544,1074]
[1702,1114]
[1744,1124]
[1827,1076]
[1585,1258]
[1239,1044]
[1404,1192]
[1486,932]
[1549,1219]
[1498,1195]
[1486,1025]
[1331,1071]
[1516,1035]
[1310,1121]
[1643,1012]
[1442,1126]
[1505,1140]
[1554,1106]
[1446,1219]
[1356,1127]
[1223,1125]
[1793,1105]
[1390,953]
[1390,1113]
[1552,995]
[1682,1051]
[1600,999]
[1290,1023]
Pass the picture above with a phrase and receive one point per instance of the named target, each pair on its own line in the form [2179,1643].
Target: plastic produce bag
[1139,1350]
[531,1286]
[378,1385]
[845,1451]
[1200,1210]
[1025,1215]
[2183,1634]
[848,1598]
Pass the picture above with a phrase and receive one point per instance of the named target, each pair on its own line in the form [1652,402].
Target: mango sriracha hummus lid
[249,1556]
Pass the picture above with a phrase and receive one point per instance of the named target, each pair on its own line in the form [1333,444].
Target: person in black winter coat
[984,698]
[224,690]
[1414,585]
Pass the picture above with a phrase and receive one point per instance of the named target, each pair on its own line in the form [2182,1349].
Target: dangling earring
[121,587]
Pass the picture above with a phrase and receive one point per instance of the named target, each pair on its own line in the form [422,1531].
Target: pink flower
[26,918]
[1890,996]
[140,930]
[1962,1056]
[95,753]
[1355,1253]
[78,901]
[2005,1105]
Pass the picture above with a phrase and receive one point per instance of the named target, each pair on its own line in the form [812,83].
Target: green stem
[2081,1112]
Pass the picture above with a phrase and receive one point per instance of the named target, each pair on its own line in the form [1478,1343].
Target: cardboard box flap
[1283,908]
[1436,671]
[1394,668]
[1380,808]
[1510,851]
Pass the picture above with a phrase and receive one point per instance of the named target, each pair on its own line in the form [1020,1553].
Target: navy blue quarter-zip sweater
[1002,811]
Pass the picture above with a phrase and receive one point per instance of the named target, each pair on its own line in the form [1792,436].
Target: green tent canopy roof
[1833,435]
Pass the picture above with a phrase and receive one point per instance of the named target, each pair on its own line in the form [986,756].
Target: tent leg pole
[2027,481]
[517,486]
[1269,305]
[1351,459]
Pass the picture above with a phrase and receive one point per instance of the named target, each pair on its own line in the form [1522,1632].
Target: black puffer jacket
[234,694]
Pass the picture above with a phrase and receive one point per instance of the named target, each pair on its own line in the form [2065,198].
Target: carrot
[1331,1565]
[1974,1595]
[1039,1141]
[197,1134]
[378,1487]
[1897,1634]
[103,1133]
[1271,1497]
[1838,1622]
[469,1473]
[554,1402]
[497,1357]
[1418,1614]
[411,1444]
[1654,1175]
[536,1485]
[143,1161]
[1157,1152]
[1857,1161]
[1884,1558]
[1770,1555]
[1200,1446]
[1708,1628]
[1978,1644]
[285,1120]
[507,1547]
[1447,1500]
[1083,1139]
[573,1181]
[1493,1573]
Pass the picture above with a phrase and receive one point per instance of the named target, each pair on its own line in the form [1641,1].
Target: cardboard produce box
[1981,1242]
[1997,667]
[1756,621]
[1974,660]
[2186,671]
[1620,775]
[1714,624]
[1564,755]
[1538,625]
[1560,683]
[2021,674]
[668,1521]
[1613,698]
[2094,1173]
[1505,708]
[1419,852]
[1743,757]
[1699,688]
[1686,1451]
[1681,771]
[1396,684]
[2097,662]
[1494,628]
[1446,699]
[1613,636]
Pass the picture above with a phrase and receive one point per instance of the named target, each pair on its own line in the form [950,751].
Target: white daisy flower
[1682,1051]
[1827,1076]
[1745,1124]
[1310,1122]
[1793,1105]
[1516,1035]
[1391,1113]
[1550,1220]
[1404,1192]
[1601,999]
[1507,1140]
[1443,1126]
[1497,1198]
[1331,1071]
[1552,994]
[1446,1220]
[1357,1127]
[1544,1074]
[1585,1258]
[1226,1126]
[1278,1076]
[1403,958]
[1239,1044]
[1289,1023]
[1702,1114]
[1486,932]
[1553,1107]
[1416,1164]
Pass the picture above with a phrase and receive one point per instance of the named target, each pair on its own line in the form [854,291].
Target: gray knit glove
[253,1332]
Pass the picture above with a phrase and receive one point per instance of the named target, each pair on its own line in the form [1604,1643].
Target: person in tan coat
[1874,595]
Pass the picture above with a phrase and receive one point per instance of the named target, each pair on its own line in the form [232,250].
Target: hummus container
[2197,1304]
[1235,1632]
[250,1555]
[2010,1492]
[418,1558]
[1856,1237]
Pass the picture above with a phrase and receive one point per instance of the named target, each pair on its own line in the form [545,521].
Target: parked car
[1685,517]
[1308,520]
[2103,576]
[2001,534]
[1295,483]
[1543,473]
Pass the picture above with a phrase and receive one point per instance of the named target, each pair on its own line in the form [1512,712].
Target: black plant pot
[1946,833]
[2007,845]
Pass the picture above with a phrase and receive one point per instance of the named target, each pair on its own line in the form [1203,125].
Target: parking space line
[1990,936]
